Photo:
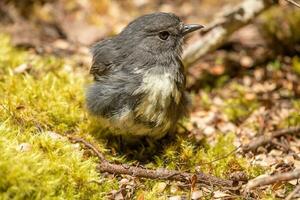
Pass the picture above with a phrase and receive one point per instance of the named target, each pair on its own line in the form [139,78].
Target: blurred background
[84,21]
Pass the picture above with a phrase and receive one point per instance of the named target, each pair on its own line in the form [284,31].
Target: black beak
[188,28]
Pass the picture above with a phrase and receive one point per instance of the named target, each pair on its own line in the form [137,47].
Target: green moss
[43,98]
[47,97]
[237,109]
[185,154]
[225,166]
[205,100]
[156,191]
[45,168]
[294,117]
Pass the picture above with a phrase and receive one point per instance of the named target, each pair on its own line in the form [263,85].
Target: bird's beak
[188,28]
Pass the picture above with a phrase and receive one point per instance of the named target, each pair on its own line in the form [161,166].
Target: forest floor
[234,101]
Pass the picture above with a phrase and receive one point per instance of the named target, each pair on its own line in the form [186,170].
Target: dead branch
[218,31]
[162,174]
[264,139]
[262,181]
[294,3]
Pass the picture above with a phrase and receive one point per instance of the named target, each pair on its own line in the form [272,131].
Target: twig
[279,144]
[163,174]
[293,193]
[90,146]
[183,127]
[293,3]
[219,30]
[273,179]
[262,140]
[222,157]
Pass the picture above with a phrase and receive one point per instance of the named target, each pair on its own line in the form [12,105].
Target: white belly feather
[159,90]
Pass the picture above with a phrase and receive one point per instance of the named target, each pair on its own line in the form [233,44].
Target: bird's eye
[164,35]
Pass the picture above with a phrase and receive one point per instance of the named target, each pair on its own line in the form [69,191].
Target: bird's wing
[104,54]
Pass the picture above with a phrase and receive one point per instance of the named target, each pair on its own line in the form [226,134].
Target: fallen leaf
[175,197]
[21,68]
[219,194]
[54,136]
[174,189]
[160,187]
[217,70]
[196,194]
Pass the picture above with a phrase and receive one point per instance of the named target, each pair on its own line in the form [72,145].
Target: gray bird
[139,87]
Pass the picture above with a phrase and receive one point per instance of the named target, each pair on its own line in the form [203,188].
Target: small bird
[139,81]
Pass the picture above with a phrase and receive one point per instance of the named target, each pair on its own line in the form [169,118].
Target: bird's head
[157,33]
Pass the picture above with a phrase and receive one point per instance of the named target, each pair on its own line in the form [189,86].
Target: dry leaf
[219,194]
[196,194]
[21,68]
[175,197]
[54,136]
[160,187]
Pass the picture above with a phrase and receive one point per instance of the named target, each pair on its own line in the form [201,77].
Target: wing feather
[104,53]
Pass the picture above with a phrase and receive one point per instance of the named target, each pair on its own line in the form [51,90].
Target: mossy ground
[47,99]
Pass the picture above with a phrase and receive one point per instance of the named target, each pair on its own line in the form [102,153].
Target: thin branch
[90,146]
[219,30]
[162,174]
[262,140]
[222,157]
[262,181]
[293,3]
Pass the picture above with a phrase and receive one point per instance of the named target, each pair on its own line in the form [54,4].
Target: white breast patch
[158,90]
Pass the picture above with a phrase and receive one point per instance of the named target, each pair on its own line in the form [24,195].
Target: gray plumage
[139,77]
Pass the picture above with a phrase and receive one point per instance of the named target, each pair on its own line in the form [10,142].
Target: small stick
[293,193]
[218,32]
[293,3]
[162,174]
[262,140]
[273,179]
[222,157]
[90,146]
